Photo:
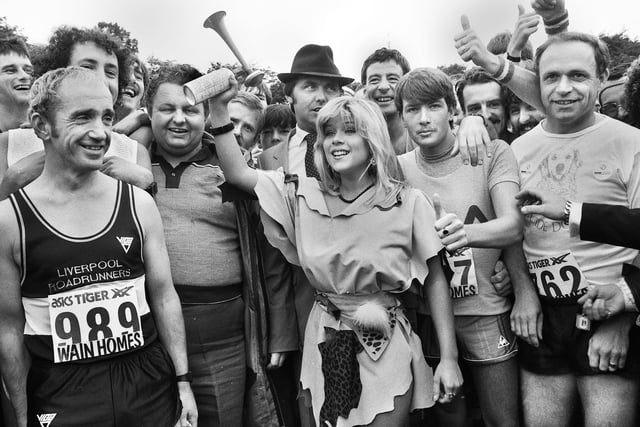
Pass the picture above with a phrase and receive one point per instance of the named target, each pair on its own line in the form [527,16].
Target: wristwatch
[567,213]
[222,129]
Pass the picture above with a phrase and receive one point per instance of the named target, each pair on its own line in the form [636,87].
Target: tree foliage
[453,70]
[7,30]
[155,64]
[623,51]
[120,33]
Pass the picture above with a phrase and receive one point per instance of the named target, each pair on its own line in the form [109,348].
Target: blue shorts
[482,340]
[133,390]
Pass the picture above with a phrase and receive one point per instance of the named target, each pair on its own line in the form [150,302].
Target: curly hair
[64,39]
[632,94]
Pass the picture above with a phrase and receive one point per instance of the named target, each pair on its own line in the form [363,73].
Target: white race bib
[94,322]
[558,276]
[463,283]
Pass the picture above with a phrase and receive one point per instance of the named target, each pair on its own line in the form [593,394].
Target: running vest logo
[503,342]
[125,242]
[46,419]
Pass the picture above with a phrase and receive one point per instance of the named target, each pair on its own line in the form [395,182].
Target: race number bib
[95,322]
[558,276]
[463,283]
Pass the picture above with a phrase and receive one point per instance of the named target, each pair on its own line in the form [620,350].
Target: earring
[373,161]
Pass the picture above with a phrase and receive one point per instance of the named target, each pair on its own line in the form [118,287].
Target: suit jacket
[612,224]
[615,225]
[277,269]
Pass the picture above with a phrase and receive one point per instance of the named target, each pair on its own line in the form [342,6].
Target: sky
[268,33]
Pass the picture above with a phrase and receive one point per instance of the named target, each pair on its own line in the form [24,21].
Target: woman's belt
[371,316]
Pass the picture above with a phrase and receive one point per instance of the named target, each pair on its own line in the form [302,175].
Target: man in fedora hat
[313,81]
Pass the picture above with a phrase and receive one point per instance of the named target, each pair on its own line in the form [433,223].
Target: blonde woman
[362,237]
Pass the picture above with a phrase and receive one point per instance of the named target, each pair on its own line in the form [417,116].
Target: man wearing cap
[313,81]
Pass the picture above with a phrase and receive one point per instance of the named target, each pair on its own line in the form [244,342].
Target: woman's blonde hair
[369,123]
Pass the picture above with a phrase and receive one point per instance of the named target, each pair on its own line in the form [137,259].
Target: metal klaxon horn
[216,23]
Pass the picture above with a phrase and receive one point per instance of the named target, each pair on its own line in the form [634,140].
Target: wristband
[505,71]
[222,129]
[188,377]
[513,58]
[557,19]
[557,25]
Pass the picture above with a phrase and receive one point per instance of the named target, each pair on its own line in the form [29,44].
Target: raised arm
[234,165]
[14,359]
[522,82]
[526,25]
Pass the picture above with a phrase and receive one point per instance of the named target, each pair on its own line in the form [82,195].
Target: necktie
[309,166]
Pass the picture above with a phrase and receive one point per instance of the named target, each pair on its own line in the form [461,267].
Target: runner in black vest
[83,266]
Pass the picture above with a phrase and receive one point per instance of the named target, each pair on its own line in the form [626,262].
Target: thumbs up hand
[526,25]
[449,227]
[471,48]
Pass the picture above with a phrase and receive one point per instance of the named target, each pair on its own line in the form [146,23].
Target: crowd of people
[424,250]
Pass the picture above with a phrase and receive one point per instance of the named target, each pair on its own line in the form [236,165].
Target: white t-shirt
[598,165]
[466,191]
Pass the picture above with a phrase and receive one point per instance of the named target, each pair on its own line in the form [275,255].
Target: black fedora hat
[314,60]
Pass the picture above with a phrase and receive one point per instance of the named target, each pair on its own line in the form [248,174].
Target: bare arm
[138,174]
[163,299]
[144,136]
[447,376]
[132,122]
[14,359]
[526,314]
[506,229]
[4,148]
[21,173]
[526,25]
[234,165]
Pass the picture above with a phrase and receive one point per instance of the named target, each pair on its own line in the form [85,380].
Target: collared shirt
[201,231]
[297,151]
